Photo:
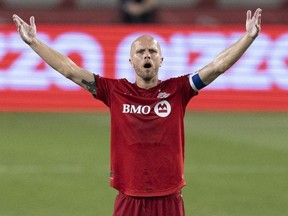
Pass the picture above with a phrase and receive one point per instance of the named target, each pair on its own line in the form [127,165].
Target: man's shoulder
[122,81]
[176,79]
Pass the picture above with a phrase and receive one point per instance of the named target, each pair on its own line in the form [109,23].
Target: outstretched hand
[26,31]
[253,24]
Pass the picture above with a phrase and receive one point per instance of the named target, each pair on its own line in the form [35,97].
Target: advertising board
[257,82]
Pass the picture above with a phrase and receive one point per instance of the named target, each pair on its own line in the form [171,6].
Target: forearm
[232,54]
[225,59]
[56,60]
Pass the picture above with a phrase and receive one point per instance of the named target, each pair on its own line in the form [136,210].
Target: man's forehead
[145,41]
[146,44]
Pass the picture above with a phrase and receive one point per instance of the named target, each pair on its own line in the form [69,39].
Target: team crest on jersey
[163,95]
[162,108]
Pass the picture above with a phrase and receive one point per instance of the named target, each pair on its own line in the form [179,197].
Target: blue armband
[195,82]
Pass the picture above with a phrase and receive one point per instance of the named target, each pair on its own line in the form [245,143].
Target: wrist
[34,42]
[250,37]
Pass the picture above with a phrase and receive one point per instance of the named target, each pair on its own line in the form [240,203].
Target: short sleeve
[104,87]
[187,91]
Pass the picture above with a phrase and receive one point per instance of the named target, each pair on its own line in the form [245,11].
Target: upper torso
[147,134]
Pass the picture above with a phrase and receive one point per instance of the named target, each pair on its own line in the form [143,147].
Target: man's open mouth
[147,65]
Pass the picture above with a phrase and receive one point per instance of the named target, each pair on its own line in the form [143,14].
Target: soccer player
[147,130]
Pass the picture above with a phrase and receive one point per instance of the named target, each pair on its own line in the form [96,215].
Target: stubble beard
[148,75]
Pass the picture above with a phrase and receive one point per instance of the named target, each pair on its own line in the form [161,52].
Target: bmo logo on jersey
[162,109]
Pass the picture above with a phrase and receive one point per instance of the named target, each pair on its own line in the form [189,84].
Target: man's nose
[147,55]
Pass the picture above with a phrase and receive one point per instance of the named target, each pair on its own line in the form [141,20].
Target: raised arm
[231,55]
[56,60]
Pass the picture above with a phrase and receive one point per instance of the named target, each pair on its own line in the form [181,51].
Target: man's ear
[161,61]
[131,63]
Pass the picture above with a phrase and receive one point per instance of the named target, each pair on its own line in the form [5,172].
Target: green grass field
[58,164]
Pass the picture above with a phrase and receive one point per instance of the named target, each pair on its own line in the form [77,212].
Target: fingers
[248,15]
[17,20]
[21,23]
[258,11]
[32,21]
[253,23]
[259,20]
[257,16]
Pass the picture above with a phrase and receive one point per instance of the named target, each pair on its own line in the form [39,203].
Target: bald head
[144,41]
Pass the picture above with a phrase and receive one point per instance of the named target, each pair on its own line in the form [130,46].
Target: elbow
[68,70]
[65,72]
[215,71]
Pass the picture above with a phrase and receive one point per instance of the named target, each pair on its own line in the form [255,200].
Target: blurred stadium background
[54,138]
[170,11]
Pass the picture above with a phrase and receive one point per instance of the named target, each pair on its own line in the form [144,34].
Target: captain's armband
[196,82]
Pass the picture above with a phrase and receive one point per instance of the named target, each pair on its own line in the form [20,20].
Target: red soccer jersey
[147,134]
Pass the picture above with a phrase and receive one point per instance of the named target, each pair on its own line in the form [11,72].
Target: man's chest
[157,102]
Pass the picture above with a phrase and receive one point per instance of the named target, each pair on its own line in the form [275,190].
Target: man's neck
[147,84]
